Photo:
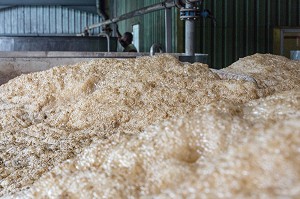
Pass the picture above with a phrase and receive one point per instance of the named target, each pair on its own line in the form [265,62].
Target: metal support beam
[3,7]
[90,9]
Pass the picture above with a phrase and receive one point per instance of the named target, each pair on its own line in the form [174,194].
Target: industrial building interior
[207,105]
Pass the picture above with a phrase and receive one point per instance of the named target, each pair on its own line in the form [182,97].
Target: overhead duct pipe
[189,12]
[100,9]
[135,13]
[167,5]
[100,6]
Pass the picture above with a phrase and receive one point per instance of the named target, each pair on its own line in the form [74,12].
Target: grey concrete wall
[13,64]
[13,67]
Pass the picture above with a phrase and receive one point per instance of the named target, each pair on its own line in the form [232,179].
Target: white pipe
[154,48]
[108,40]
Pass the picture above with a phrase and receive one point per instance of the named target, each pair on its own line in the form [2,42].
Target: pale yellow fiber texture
[152,127]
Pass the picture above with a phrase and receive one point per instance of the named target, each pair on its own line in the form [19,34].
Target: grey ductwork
[100,9]
[188,12]
[139,12]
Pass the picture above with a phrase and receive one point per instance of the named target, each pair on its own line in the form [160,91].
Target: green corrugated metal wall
[152,27]
[243,27]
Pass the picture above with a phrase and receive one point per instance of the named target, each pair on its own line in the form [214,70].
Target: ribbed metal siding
[45,20]
[154,29]
[244,27]
[152,25]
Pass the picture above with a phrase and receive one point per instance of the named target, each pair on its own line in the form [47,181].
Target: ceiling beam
[48,2]
[2,7]
[89,9]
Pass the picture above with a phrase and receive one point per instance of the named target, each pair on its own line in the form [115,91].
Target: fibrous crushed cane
[149,127]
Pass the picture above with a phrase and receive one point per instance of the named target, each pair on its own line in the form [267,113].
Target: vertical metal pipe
[281,42]
[168,30]
[189,34]
[107,38]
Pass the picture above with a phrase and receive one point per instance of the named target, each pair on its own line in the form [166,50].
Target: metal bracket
[190,13]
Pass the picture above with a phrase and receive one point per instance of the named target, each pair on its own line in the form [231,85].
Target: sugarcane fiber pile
[148,127]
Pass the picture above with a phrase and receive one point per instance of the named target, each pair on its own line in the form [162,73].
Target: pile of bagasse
[152,127]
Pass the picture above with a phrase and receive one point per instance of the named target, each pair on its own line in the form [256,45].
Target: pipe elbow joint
[154,48]
[107,38]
